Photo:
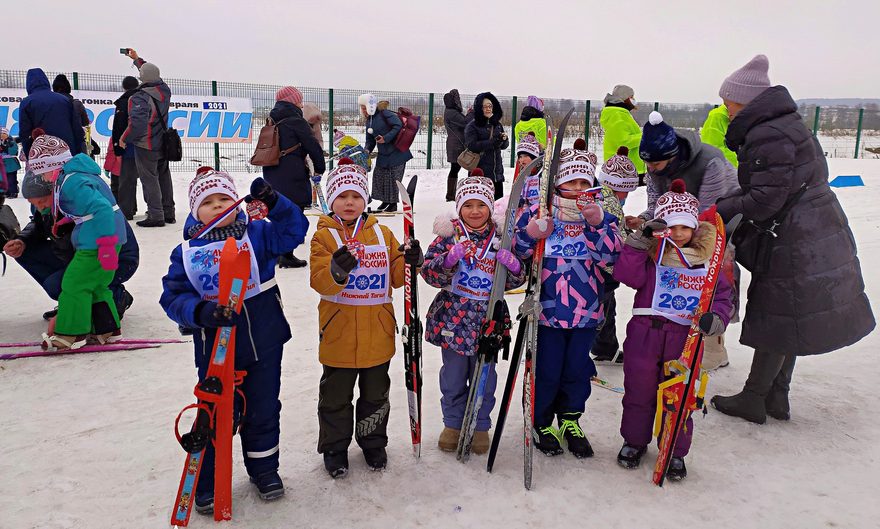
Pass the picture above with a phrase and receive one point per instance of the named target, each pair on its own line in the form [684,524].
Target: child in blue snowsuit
[189,298]
[461,261]
[581,240]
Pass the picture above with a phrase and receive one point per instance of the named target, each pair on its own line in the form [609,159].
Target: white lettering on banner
[198,119]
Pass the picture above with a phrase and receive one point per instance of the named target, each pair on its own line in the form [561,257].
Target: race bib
[567,241]
[677,293]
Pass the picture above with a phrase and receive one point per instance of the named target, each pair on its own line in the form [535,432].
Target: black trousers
[452,182]
[339,419]
[606,344]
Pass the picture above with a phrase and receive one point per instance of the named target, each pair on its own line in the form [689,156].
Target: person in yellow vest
[532,120]
[715,128]
[620,127]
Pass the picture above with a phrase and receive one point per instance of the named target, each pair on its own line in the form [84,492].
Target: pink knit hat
[290,94]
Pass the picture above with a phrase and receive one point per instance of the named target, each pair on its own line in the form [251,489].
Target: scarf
[566,210]
[236,230]
[697,252]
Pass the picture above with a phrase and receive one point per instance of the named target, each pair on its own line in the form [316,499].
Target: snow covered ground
[88,439]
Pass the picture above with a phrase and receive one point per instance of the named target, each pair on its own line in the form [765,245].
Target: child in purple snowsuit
[666,295]
[582,239]
[461,261]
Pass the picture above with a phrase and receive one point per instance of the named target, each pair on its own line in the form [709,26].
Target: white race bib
[368,283]
[202,265]
[474,282]
[677,292]
[567,241]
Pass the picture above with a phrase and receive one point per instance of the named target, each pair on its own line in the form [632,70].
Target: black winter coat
[455,122]
[808,296]
[291,177]
[484,135]
[120,120]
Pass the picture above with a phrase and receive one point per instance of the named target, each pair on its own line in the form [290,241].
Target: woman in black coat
[806,295]
[486,136]
[455,122]
[290,177]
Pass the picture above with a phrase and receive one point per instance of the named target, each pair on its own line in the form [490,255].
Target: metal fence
[842,131]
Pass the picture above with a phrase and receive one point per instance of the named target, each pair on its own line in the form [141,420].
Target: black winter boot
[289,260]
[630,456]
[451,184]
[676,471]
[376,458]
[777,399]
[749,403]
[336,463]
[546,441]
[574,436]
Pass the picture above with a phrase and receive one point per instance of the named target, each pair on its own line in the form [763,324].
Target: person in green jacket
[81,198]
[714,130]
[621,129]
[532,120]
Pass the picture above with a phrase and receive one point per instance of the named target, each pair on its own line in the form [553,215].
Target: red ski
[215,395]
[678,396]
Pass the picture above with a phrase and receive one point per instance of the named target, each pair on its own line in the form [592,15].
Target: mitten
[456,253]
[262,191]
[413,255]
[506,258]
[711,324]
[107,255]
[341,264]
[592,213]
[539,228]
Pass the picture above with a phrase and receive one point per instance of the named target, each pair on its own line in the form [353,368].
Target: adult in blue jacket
[383,126]
[44,109]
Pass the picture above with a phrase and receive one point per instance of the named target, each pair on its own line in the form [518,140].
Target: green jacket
[621,129]
[714,130]
[536,125]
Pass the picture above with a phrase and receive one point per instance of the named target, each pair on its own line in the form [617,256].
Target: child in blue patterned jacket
[581,240]
[461,261]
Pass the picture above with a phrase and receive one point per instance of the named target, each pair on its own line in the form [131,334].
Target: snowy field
[88,440]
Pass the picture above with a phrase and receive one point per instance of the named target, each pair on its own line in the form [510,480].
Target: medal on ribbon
[257,210]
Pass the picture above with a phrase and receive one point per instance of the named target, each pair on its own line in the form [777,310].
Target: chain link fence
[843,131]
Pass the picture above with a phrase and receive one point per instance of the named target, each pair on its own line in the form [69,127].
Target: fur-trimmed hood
[497,113]
[698,251]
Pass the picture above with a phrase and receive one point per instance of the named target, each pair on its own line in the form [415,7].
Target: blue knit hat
[659,141]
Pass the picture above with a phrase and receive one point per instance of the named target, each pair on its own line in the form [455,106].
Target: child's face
[571,188]
[3,136]
[523,160]
[349,205]
[474,213]
[681,235]
[212,206]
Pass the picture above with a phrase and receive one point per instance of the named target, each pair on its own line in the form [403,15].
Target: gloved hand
[457,253]
[506,258]
[262,191]
[592,213]
[211,316]
[539,228]
[316,179]
[107,255]
[711,324]
[413,255]
[649,227]
[341,264]
[641,239]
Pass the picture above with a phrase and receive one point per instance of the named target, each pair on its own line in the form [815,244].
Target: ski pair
[411,332]
[216,398]
[97,348]
[678,396]
[495,330]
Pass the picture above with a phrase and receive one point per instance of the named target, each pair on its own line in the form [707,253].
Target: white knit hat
[575,164]
[678,207]
[619,173]
[529,145]
[208,182]
[47,153]
[475,188]
[347,176]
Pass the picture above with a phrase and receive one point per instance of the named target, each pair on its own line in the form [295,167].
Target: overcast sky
[667,50]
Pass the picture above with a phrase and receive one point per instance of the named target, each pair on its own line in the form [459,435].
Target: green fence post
[330,132]
[76,80]
[816,121]
[656,106]
[587,124]
[216,145]
[430,125]
[859,132]
[512,134]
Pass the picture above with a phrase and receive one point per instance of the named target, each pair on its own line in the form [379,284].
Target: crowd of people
[753,157]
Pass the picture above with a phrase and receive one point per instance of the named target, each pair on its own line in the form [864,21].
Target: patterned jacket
[572,289]
[453,322]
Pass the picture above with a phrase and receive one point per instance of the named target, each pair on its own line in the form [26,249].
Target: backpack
[172,146]
[404,139]
[268,152]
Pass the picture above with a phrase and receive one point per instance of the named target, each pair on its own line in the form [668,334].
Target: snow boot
[574,436]
[205,502]
[49,314]
[630,457]
[451,186]
[289,260]
[777,399]
[546,441]
[448,441]
[269,484]
[376,458]
[615,359]
[676,471]
[336,463]
[124,302]
[749,403]
[392,207]
[480,444]
[63,342]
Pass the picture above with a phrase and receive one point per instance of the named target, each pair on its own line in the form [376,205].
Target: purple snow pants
[650,341]
[455,376]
